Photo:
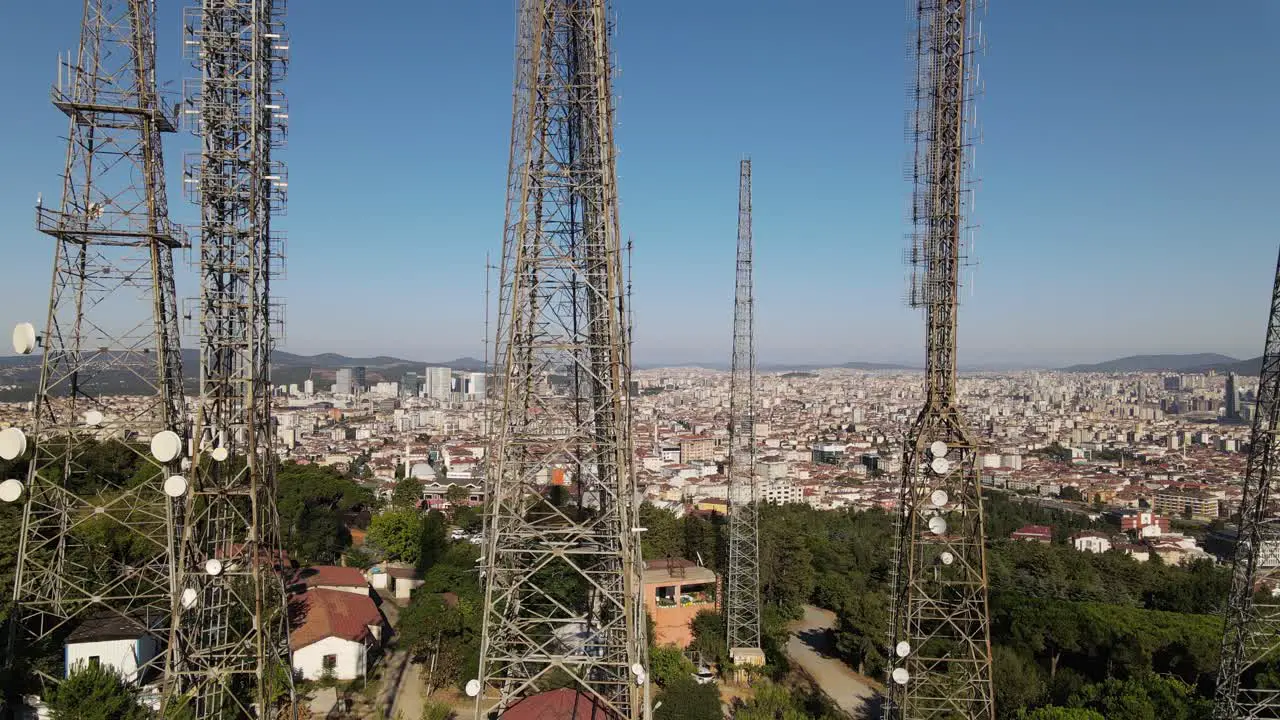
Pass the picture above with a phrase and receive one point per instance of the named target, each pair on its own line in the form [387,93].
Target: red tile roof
[331,575]
[332,613]
[562,704]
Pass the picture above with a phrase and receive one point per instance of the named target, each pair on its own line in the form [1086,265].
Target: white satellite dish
[937,525]
[24,338]
[166,446]
[93,418]
[640,679]
[13,443]
[938,449]
[637,669]
[473,687]
[901,676]
[213,566]
[189,598]
[902,649]
[940,465]
[947,558]
[938,498]
[10,490]
[219,454]
[175,486]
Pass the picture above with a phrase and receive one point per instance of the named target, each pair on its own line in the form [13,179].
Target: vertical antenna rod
[231,652]
[743,593]
[1252,613]
[112,320]
[562,562]
[940,647]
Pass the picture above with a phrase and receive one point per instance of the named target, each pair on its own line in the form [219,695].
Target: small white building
[120,642]
[1093,542]
[337,632]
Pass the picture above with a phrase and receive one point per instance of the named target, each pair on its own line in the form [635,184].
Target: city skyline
[1141,228]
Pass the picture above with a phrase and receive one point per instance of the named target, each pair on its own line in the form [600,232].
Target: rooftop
[318,614]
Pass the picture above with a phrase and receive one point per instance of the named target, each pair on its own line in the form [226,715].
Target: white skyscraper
[342,384]
[475,384]
[439,382]
[309,387]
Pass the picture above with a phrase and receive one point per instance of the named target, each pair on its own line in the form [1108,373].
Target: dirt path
[810,647]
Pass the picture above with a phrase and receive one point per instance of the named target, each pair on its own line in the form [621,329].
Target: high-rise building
[309,387]
[342,384]
[359,379]
[476,384]
[1233,398]
[409,384]
[439,382]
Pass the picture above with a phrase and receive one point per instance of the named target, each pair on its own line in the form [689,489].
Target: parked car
[704,676]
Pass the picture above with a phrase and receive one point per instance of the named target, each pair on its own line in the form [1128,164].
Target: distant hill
[1194,362]
[1246,368]
[23,371]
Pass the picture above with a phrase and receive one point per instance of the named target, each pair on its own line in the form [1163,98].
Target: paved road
[810,647]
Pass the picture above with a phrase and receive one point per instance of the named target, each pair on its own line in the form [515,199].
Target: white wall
[309,660]
[124,656]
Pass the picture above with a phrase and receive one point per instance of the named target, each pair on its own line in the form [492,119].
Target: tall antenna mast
[230,640]
[112,320]
[742,609]
[940,646]
[1250,638]
[559,469]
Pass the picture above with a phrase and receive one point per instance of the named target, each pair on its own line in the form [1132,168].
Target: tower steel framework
[940,647]
[562,561]
[230,637]
[742,606]
[112,320]
[1252,630]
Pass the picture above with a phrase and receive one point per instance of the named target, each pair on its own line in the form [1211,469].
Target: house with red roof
[333,577]
[1033,533]
[334,630]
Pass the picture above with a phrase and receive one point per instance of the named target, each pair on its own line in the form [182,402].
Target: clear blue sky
[1127,174]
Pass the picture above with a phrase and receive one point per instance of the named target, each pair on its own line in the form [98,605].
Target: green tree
[667,663]
[407,493]
[314,503]
[662,535]
[1061,713]
[456,494]
[1018,681]
[434,540]
[771,702]
[709,636]
[95,692]
[685,699]
[398,533]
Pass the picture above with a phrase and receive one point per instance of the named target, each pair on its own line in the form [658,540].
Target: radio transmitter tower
[1252,632]
[562,562]
[742,611]
[940,649]
[112,322]
[230,638]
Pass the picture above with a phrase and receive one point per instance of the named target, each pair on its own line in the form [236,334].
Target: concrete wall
[124,656]
[351,658]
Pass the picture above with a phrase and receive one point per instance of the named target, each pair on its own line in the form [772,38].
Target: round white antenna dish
[901,676]
[640,679]
[947,558]
[937,525]
[93,418]
[940,465]
[938,498]
[473,687]
[166,446]
[189,597]
[902,649]
[175,486]
[213,566]
[24,338]
[13,442]
[637,669]
[10,490]
[938,449]
[219,454]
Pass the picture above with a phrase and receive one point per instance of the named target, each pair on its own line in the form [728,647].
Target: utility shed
[121,642]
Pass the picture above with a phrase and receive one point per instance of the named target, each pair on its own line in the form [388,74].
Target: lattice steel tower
[562,563]
[742,606]
[92,549]
[231,653]
[1252,630]
[940,648]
